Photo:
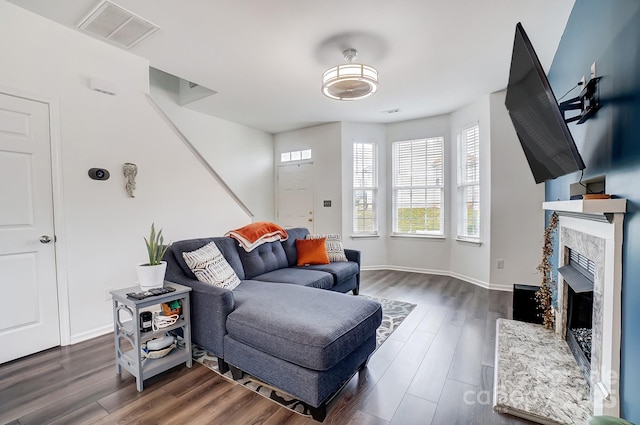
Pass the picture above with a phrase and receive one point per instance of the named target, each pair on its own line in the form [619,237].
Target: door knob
[45,239]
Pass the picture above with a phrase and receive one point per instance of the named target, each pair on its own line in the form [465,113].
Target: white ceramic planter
[150,277]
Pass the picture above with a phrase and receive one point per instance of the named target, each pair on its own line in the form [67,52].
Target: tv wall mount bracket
[587,102]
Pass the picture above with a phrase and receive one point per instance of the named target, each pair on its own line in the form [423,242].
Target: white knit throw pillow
[210,266]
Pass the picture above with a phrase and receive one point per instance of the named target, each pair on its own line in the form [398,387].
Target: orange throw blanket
[255,234]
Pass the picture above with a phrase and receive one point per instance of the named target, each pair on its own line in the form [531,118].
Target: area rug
[393,313]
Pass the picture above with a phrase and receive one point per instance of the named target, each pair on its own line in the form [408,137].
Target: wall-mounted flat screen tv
[538,121]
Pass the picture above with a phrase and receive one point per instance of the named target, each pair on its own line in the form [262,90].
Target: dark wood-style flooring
[436,368]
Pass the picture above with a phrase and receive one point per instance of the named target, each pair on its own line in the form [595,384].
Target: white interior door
[27,257]
[295,196]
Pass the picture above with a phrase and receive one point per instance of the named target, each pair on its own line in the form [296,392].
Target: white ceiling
[265,58]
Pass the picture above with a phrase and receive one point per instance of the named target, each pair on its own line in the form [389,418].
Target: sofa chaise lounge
[291,327]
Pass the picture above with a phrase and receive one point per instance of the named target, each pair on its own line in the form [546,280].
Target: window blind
[469,182]
[365,188]
[418,186]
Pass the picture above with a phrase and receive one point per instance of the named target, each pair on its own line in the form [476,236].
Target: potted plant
[151,274]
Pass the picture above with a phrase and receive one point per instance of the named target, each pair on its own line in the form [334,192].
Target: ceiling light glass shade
[350,81]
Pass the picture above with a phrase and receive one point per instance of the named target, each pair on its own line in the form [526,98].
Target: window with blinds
[418,187]
[469,183]
[365,189]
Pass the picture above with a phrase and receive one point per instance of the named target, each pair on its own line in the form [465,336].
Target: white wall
[373,248]
[325,143]
[242,156]
[100,239]
[517,218]
[471,261]
[418,253]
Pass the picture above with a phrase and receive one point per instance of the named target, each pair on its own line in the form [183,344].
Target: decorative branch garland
[545,293]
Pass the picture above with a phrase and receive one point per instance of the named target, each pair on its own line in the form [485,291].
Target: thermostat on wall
[99,173]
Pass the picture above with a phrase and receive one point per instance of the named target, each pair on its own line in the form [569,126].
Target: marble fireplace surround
[594,228]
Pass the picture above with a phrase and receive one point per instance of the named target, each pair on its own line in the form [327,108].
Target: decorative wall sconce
[130,170]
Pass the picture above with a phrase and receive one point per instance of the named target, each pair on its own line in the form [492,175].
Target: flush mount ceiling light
[350,81]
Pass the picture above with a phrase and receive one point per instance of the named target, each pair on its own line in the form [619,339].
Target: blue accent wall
[608,33]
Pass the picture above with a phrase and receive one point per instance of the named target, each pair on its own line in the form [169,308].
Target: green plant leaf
[155,246]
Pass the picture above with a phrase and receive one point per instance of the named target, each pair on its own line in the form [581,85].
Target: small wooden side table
[129,330]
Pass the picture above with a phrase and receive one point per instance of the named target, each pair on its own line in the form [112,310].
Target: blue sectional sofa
[292,327]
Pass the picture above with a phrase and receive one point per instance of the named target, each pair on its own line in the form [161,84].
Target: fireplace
[579,276]
[579,331]
[589,292]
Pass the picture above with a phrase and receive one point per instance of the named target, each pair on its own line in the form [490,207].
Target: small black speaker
[525,306]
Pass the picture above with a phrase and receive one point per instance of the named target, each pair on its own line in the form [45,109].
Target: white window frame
[360,177]
[295,156]
[419,185]
[468,183]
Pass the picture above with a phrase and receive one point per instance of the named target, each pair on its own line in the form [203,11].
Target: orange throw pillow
[312,251]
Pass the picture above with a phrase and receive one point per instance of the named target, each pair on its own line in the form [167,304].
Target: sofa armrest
[354,255]
[210,307]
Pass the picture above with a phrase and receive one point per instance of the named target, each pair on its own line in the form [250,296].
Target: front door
[28,289]
[295,196]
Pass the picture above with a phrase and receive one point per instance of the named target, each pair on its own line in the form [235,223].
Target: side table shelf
[129,330]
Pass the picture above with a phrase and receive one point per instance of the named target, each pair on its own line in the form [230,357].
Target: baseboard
[90,334]
[468,279]
[503,287]
[409,269]
[376,268]
[475,281]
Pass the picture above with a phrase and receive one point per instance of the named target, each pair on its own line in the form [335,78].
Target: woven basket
[157,354]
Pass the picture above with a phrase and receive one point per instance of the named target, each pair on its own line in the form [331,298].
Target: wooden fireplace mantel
[589,208]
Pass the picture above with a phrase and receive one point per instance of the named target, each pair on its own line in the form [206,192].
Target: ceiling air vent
[117,25]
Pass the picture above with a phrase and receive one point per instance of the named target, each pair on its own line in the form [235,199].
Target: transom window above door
[301,155]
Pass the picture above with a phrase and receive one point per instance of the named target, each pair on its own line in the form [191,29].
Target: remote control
[150,293]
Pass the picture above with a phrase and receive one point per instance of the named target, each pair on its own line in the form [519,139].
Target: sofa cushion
[289,245]
[333,243]
[311,251]
[299,276]
[311,386]
[311,328]
[210,266]
[226,245]
[263,259]
[340,271]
